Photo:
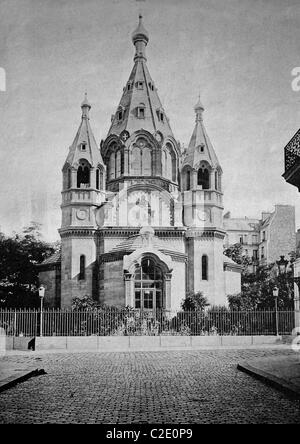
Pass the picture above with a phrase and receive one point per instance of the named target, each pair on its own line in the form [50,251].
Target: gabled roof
[194,155]
[144,95]
[137,241]
[85,135]
[54,259]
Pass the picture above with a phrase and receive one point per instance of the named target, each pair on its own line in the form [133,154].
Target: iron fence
[125,322]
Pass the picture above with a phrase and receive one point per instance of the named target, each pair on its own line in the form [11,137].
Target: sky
[238,53]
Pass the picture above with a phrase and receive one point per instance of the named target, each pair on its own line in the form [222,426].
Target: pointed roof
[200,147]
[85,136]
[140,91]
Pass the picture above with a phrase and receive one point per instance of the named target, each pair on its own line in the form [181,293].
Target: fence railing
[125,322]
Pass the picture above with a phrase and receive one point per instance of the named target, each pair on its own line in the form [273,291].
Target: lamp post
[41,295]
[275,294]
[282,265]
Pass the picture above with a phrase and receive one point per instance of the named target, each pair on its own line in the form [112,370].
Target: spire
[140,38]
[140,106]
[85,106]
[84,144]
[200,147]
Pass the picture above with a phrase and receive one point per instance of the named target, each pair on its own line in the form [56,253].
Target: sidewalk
[282,372]
[11,375]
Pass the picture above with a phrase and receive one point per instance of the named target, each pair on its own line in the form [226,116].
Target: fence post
[15,322]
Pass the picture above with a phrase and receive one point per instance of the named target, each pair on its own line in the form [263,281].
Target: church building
[142,220]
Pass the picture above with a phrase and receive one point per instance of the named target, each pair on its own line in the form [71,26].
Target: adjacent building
[264,240]
[292,176]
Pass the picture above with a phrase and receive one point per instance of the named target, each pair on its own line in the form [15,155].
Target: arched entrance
[149,286]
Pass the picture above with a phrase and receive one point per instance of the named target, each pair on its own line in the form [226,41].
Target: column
[73,178]
[168,277]
[126,161]
[194,180]
[129,296]
[92,177]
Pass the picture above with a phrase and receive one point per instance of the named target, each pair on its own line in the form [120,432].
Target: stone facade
[142,221]
[265,239]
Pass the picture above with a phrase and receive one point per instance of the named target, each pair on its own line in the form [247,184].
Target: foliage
[19,255]
[194,302]
[257,290]
[235,252]
[84,303]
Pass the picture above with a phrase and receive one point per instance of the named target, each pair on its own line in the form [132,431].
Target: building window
[160,115]
[263,236]
[128,87]
[69,184]
[148,286]
[188,180]
[255,254]
[216,180]
[203,178]
[83,175]
[140,85]
[254,239]
[83,146]
[112,166]
[204,266]
[241,239]
[99,179]
[262,252]
[141,112]
[82,268]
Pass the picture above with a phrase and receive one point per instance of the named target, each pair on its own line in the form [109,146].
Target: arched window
[146,162]
[97,179]
[204,266]
[188,180]
[148,286]
[82,268]
[112,166]
[174,168]
[216,180]
[203,178]
[118,164]
[135,165]
[166,164]
[69,183]
[83,174]
[101,180]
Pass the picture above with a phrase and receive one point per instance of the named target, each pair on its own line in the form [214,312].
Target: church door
[148,286]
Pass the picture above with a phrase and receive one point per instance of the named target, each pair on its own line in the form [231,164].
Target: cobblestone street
[145,387]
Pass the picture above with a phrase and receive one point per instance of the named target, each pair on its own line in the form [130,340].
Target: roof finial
[199,108]
[85,106]
[140,38]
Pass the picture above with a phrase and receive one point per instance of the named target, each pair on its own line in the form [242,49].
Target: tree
[194,302]
[235,252]
[19,255]
[257,290]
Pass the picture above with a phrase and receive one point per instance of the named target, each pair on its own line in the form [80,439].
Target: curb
[12,381]
[270,380]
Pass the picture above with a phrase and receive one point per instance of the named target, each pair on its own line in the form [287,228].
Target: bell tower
[202,197]
[83,192]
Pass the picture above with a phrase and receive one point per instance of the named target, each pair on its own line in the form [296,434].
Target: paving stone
[146,387]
